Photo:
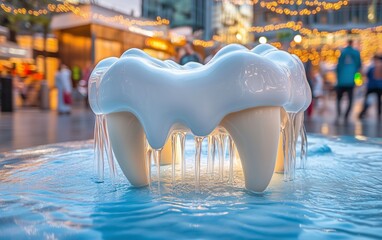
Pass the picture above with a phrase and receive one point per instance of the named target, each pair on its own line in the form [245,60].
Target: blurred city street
[49,127]
[49,49]
[32,127]
[190,119]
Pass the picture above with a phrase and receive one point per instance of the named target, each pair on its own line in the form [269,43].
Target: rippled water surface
[49,192]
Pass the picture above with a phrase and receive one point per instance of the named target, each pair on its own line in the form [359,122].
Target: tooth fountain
[255,99]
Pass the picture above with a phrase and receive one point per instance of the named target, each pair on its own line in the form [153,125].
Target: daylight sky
[124,6]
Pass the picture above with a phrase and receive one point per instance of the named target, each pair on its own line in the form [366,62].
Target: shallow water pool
[49,192]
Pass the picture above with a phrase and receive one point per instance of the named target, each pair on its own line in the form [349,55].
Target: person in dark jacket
[349,64]
[374,85]
[190,55]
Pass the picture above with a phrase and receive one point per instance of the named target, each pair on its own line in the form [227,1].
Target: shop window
[323,19]
[3,39]
[25,41]
[106,48]
[364,13]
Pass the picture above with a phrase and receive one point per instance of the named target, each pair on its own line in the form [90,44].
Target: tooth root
[282,150]
[256,134]
[166,153]
[280,156]
[128,142]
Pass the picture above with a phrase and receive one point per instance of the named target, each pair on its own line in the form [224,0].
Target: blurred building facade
[79,38]
[204,18]
[101,32]
[322,31]
[355,14]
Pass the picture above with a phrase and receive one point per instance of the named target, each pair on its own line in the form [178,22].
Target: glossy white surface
[256,134]
[163,93]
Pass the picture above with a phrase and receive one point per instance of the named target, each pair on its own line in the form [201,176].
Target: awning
[13,50]
[4,31]
[95,14]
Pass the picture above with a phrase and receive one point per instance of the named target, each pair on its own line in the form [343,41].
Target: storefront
[97,33]
[159,48]
[17,64]
[12,53]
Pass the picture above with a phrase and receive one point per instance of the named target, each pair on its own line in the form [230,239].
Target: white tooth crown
[163,94]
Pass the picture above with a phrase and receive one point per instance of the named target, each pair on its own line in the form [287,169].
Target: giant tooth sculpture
[145,106]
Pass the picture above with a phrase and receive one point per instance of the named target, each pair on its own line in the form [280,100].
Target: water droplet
[198,151]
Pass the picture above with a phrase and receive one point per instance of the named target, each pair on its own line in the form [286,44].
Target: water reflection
[366,128]
[52,194]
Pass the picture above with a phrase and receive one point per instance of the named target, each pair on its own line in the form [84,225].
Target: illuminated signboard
[13,51]
[159,44]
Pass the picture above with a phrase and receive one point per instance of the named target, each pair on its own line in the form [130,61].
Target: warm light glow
[51,45]
[157,44]
[297,38]
[263,40]
[325,129]
[203,43]
[277,6]
[66,6]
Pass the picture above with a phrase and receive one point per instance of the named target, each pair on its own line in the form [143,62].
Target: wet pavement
[324,121]
[31,127]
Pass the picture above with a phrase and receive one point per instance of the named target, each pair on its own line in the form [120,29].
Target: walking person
[190,55]
[64,85]
[309,77]
[85,82]
[349,64]
[374,85]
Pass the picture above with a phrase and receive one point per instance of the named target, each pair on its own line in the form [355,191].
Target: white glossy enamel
[242,90]
[198,96]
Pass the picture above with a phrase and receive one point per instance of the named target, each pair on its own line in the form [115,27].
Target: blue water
[49,192]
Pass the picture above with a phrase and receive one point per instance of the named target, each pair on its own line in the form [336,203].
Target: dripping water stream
[218,143]
[198,152]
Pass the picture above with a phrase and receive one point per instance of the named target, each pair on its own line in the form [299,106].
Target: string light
[313,7]
[276,44]
[318,49]
[295,26]
[315,45]
[205,44]
[50,8]
[68,7]
[298,27]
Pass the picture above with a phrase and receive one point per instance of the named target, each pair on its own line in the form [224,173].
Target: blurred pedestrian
[180,53]
[349,64]
[64,86]
[318,91]
[21,89]
[309,78]
[85,81]
[374,85]
[190,55]
[213,53]
[316,83]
